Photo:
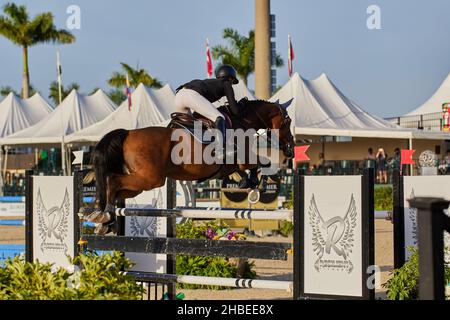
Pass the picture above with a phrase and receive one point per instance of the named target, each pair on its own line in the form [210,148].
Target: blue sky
[389,71]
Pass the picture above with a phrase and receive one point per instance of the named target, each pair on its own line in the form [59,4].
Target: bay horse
[128,162]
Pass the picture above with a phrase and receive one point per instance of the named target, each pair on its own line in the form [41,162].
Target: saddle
[186,121]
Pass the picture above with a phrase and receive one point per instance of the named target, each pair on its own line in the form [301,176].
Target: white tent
[149,108]
[74,113]
[320,108]
[434,104]
[17,114]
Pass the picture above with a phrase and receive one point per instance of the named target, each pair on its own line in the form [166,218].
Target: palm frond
[234,37]
[117,80]
[278,61]
[128,69]
[4,91]
[10,31]
[18,14]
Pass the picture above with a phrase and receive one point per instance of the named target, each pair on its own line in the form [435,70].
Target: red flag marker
[300,153]
[406,158]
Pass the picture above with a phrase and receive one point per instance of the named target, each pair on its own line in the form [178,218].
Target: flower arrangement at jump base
[211,266]
[224,234]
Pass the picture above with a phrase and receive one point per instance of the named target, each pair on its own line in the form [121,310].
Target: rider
[199,95]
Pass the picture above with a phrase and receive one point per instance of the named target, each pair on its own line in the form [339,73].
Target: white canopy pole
[5,164]
[410,146]
[2,177]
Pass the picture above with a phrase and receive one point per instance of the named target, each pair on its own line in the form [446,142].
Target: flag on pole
[209,66]
[78,158]
[59,72]
[290,56]
[128,91]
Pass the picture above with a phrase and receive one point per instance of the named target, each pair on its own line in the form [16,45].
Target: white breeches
[187,99]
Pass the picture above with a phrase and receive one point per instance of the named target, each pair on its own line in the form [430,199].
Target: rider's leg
[187,99]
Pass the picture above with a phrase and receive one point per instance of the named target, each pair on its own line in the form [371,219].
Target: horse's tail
[107,159]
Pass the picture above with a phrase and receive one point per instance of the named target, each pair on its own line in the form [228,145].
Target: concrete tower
[262,49]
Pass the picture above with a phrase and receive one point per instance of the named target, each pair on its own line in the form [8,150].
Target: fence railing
[428,122]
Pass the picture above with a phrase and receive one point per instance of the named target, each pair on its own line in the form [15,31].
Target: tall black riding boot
[220,126]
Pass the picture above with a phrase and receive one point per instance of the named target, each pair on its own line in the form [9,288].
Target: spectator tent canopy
[434,103]
[320,108]
[17,114]
[149,108]
[74,113]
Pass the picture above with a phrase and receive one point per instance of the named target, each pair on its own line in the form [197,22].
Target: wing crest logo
[333,240]
[53,223]
[146,226]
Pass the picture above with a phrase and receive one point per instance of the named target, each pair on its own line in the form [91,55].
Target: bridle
[285,121]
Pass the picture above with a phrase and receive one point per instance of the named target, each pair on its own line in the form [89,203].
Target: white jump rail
[238,283]
[209,213]
[212,281]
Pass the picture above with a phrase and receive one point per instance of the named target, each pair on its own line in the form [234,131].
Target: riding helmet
[227,71]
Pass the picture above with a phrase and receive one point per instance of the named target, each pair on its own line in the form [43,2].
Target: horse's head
[273,117]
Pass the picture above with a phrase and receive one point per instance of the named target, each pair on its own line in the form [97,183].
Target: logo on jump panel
[332,240]
[146,226]
[53,224]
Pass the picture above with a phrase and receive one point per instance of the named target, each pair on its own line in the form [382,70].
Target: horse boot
[220,134]
[110,225]
[250,182]
[263,184]
[105,228]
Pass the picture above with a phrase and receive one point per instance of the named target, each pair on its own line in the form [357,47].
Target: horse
[128,162]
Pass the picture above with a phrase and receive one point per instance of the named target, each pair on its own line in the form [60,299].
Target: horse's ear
[278,101]
[287,104]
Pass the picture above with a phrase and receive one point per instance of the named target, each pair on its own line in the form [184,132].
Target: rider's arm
[229,93]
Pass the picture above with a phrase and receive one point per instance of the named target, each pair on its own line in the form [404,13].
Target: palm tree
[135,76]
[54,91]
[241,53]
[4,91]
[17,26]
[117,95]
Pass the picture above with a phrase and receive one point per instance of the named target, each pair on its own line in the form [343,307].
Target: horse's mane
[250,104]
[255,102]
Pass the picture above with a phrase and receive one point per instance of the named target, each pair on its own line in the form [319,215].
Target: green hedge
[94,278]
[383,197]
[404,284]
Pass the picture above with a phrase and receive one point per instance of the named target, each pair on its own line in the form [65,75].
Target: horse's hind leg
[129,186]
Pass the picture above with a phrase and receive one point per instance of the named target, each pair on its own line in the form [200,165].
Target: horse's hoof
[102,229]
[98,217]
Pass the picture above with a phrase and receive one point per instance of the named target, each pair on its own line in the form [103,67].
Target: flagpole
[63,151]
[58,65]
[289,56]
[410,146]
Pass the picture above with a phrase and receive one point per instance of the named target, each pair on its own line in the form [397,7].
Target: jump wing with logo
[316,221]
[347,240]
[41,213]
[63,226]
